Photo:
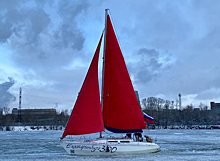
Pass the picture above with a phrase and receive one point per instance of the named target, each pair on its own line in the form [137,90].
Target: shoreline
[30,128]
[60,127]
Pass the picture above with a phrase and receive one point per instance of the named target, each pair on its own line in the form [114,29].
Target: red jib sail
[86,116]
[121,110]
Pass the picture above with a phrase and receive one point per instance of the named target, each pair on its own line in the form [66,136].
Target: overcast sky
[170,47]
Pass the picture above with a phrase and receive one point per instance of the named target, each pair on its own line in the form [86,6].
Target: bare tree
[6,110]
[144,103]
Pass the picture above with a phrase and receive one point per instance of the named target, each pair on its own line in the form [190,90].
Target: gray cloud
[28,27]
[5,96]
[69,35]
[44,39]
[148,66]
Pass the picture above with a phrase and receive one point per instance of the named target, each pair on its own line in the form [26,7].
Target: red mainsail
[86,116]
[121,110]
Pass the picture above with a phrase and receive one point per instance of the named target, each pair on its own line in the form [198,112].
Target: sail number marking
[93,148]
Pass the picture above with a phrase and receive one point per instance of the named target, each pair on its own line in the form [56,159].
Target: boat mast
[103,65]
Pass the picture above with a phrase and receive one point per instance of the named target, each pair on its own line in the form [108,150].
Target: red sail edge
[121,110]
[86,116]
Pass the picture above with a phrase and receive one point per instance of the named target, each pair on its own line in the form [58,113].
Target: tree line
[166,114]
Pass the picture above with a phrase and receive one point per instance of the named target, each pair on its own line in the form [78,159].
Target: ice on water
[181,145]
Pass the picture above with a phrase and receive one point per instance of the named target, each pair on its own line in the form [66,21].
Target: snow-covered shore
[43,128]
[30,128]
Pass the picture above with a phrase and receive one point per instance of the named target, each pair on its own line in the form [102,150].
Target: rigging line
[116,34]
[103,64]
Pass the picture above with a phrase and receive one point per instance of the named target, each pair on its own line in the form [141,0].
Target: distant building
[137,95]
[1,111]
[34,111]
[215,107]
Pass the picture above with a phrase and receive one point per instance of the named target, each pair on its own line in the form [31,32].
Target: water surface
[181,145]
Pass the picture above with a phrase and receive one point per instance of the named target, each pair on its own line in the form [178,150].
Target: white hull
[109,147]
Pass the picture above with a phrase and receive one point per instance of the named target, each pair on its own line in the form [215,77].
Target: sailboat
[118,111]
